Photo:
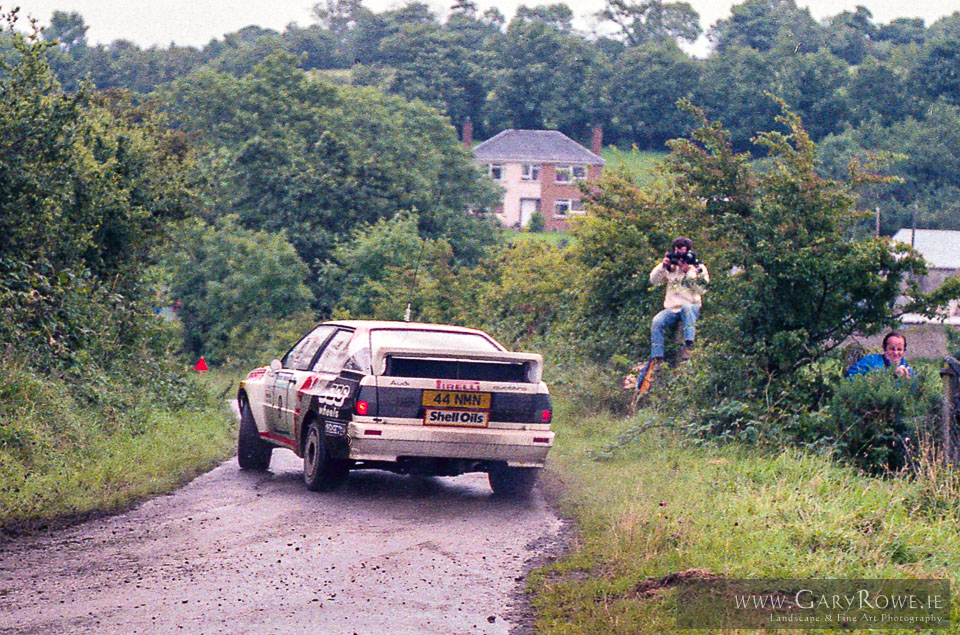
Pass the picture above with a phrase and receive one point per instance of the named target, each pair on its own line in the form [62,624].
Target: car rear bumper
[388,442]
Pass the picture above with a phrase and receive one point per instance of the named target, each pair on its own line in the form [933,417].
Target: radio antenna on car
[413,285]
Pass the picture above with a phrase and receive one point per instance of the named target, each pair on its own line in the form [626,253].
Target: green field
[662,505]
[637,163]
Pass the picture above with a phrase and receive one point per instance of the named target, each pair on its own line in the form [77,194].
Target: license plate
[456,399]
[468,418]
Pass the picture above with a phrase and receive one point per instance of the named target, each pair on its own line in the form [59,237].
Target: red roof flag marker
[201,366]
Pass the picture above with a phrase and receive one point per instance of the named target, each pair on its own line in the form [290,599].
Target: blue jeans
[664,321]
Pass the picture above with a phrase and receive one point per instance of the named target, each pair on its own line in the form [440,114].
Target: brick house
[539,171]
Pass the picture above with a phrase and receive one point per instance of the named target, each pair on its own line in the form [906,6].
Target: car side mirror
[275,366]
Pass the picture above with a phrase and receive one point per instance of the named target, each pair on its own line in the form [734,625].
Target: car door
[282,391]
[331,390]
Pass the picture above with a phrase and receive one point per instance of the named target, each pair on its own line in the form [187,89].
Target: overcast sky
[196,22]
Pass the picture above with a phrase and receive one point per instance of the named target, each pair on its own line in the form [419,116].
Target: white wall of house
[516,190]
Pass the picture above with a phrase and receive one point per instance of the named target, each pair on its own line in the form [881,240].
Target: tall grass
[660,505]
[64,456]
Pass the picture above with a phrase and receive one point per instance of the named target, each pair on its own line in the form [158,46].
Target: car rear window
[430,340]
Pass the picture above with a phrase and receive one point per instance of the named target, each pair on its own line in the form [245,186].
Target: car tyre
[513,481]
[320,472]
[253,453]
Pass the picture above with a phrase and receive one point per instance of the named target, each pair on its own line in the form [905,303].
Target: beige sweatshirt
[681,288]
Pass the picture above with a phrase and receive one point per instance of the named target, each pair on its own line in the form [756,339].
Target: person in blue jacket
[894,346]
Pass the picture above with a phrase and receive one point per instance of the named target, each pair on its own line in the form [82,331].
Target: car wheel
[320,472]
[513,481]
[253,453]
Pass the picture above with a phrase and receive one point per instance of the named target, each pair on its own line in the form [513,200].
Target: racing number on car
[334,395]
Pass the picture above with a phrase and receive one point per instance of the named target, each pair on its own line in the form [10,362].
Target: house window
[564,206]
[531,172]
[568,173]
[496,171]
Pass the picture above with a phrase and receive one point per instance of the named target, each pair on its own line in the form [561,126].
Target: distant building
[941,249]
[539,171]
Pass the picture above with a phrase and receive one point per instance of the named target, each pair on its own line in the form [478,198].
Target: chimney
[467,134]
[596,140]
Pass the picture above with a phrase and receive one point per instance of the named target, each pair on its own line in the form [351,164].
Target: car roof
[369,325]
[411,326]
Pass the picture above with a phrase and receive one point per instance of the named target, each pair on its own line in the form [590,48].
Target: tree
[850,34]
[435,65]
[241,292]
[67,30]
[929,151]
[732,90]
[559,16]
[946,27]
[815,86]
[935,74]
[646,83]
[542,79]
[287,152]
[89,185]
[789,284]
[387,267]
[876,88]
[903,31]
[318,48]
[338,16]
[652,20]
[464,7]
[761,24]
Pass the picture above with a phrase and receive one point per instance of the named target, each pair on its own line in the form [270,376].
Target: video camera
[688,257]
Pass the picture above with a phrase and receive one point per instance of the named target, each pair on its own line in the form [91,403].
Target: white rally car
[411,398]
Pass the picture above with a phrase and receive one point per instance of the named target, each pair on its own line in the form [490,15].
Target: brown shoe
[687,352]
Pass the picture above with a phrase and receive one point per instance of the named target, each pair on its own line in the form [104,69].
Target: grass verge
[62,460]
[662,505]
[557,238]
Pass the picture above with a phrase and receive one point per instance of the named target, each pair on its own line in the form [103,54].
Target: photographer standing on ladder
[684,276]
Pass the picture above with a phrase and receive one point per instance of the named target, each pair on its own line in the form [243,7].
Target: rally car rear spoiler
[532,362]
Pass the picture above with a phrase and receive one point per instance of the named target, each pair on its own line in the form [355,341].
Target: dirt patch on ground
[651,586]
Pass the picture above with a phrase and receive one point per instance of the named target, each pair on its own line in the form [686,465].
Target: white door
[528,207]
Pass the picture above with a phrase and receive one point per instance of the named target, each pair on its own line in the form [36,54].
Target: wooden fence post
[950,373]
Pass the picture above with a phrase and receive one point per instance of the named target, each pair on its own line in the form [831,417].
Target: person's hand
[685,267]
[666,262]
[902,371]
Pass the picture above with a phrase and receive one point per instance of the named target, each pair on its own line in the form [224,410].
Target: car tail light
[362,407]
[545,416]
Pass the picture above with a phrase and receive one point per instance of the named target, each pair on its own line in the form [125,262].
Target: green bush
[875,420]
[537,223]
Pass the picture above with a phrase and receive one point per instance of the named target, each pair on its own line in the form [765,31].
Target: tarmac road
[240,552]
